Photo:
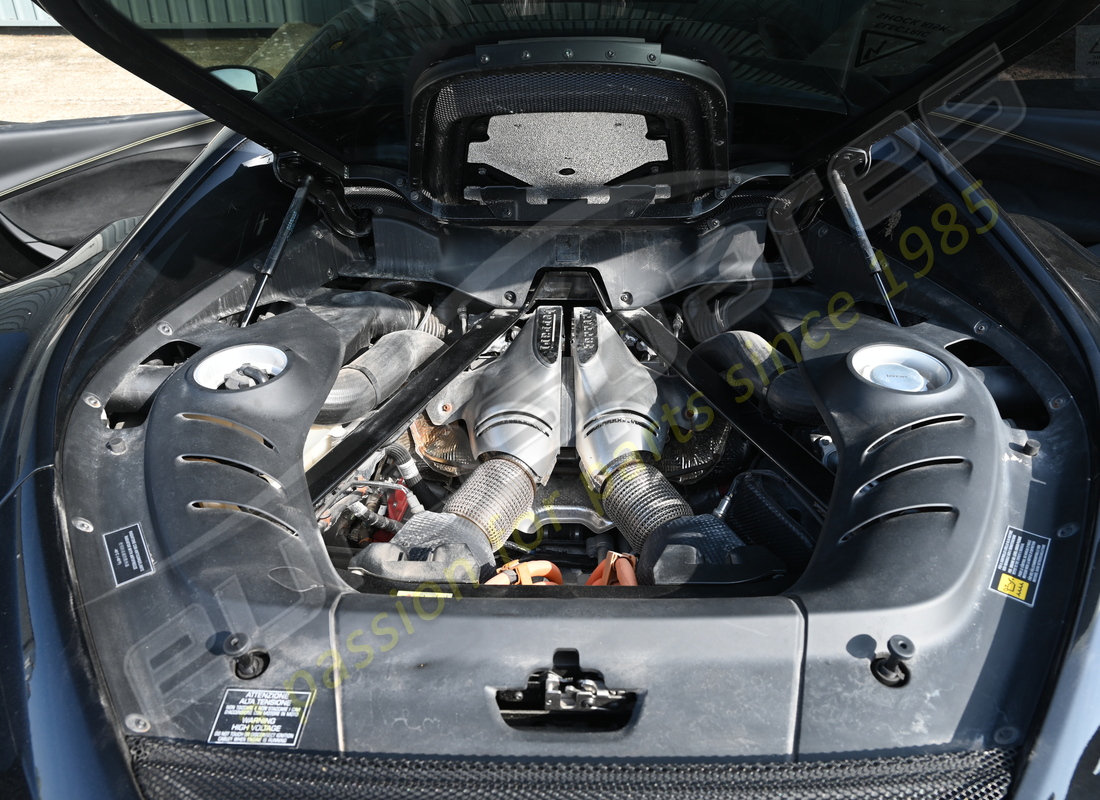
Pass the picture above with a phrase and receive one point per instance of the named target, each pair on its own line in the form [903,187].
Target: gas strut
[276,251]
[856,224]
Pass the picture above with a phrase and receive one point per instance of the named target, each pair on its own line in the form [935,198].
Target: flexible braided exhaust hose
[639,499]
[494,497]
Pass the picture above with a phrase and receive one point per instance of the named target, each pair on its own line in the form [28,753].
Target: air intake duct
[370,379]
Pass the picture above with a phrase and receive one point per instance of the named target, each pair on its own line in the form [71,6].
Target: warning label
[1088,58]
[1020,565]
[128,554]
[895,37]
[261,717]
[874,45]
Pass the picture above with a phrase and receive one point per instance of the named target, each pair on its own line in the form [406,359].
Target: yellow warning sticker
[1020,565]
[424,594]
[1013,587]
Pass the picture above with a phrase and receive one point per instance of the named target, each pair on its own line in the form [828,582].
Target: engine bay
[565,442]
[557,471]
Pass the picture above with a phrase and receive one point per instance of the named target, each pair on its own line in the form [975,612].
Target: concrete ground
[54,76]
[49,75]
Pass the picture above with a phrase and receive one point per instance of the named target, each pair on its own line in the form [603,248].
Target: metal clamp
[581,694]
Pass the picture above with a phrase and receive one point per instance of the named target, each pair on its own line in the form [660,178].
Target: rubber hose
[373,377]
[362,317]
[759,362]
[789,397]
[374,519]
[403,460]
[711,310]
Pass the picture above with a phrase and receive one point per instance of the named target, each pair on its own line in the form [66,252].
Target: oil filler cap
[897,376]
[900,368]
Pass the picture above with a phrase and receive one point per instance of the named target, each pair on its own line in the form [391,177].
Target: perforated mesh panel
[494,497]
[167,770]
[561,90]
[699,142]
[639,499]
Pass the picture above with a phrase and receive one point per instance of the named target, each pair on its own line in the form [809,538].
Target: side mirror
[250,80]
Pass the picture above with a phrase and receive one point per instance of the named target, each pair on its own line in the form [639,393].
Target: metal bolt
[568,54]
[446,408]
[1067,530]
[737,179]
[137,723]
[759,212]
[610,53]
[414,196]
[654,170]
[821,231]
[627,298]
[981,327]
[1057,402]
[1005,735]
[481,170]
[722,193]
[92,400]
[652,57]
[525,55]
[1030,447]
[484,59]
[506,213]
[630,212]
[890,670]
[117,445]
[247,662]
[510,297]
[82,524]
[164,328]
[401,182]
[378,209]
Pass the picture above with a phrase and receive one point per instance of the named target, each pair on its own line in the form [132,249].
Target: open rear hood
[799,79]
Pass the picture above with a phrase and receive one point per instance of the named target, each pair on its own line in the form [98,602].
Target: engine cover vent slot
[915,465]
[221,505]
[935,508]
[883,440]
[230,424]
[228,462]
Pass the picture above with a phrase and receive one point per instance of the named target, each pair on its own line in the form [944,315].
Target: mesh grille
[167,770]
[763,506]
[697,111]
[557,91]
[494,497]
[639,499]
